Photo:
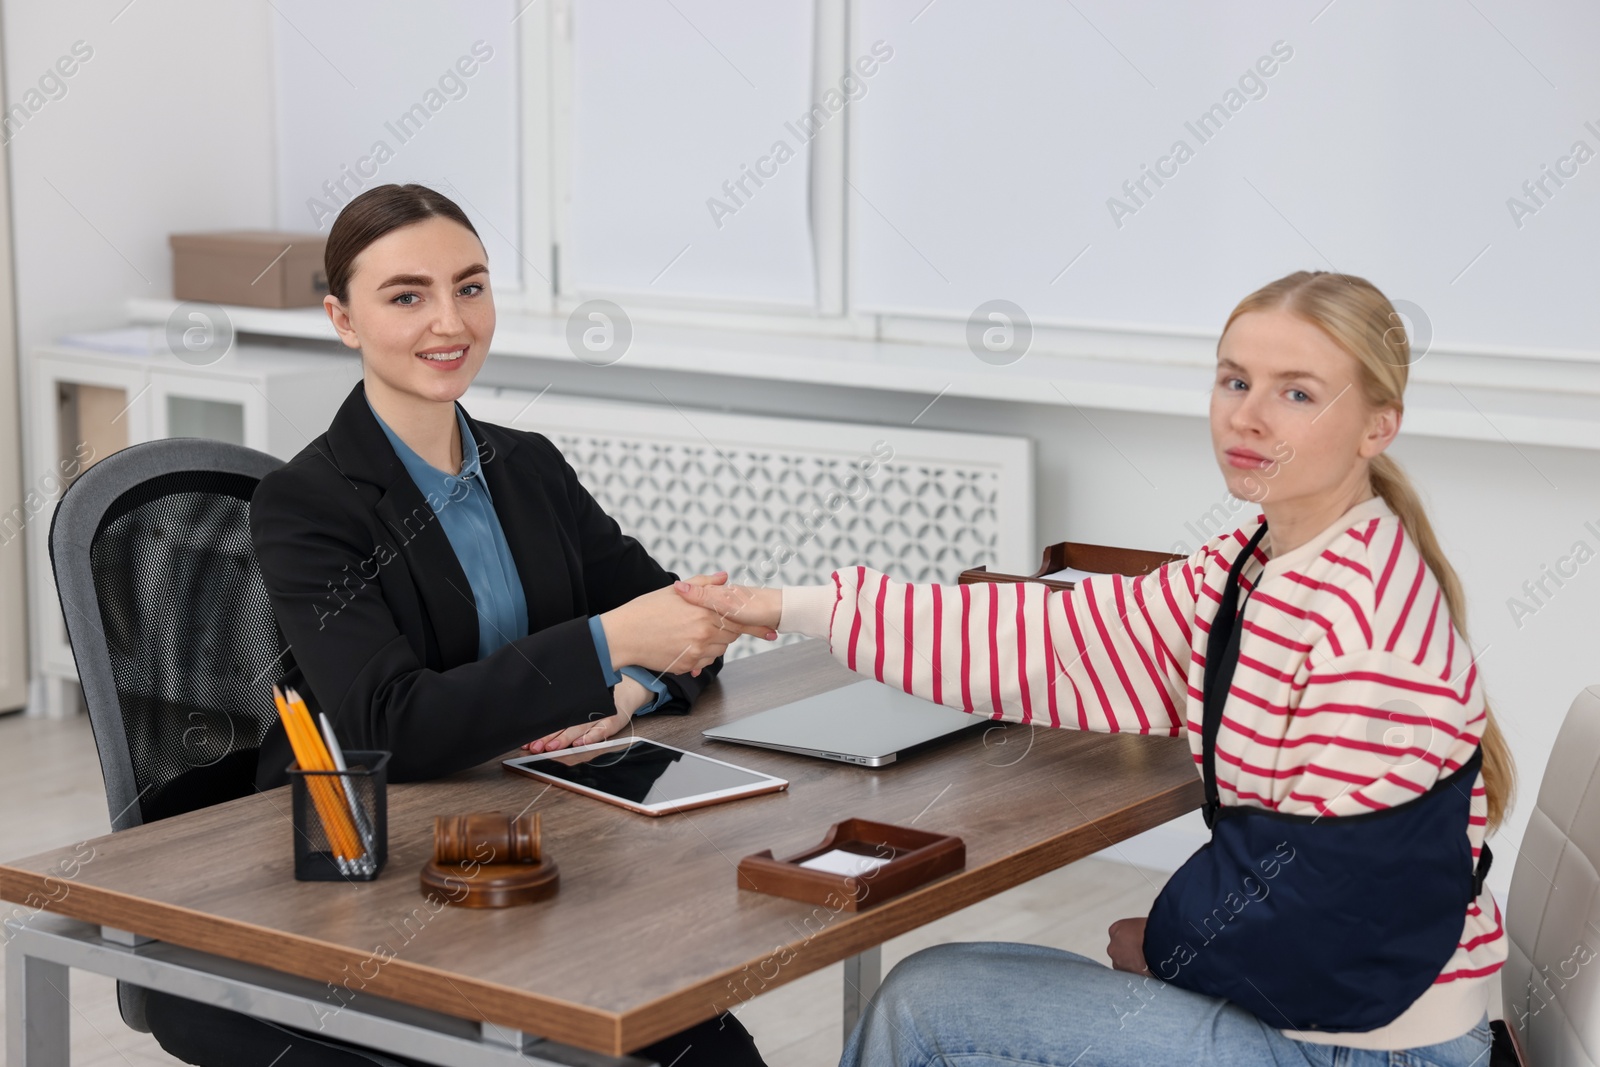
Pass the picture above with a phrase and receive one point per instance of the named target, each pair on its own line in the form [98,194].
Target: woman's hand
[628,696]
[661,631]
[744,604]
[1127,946]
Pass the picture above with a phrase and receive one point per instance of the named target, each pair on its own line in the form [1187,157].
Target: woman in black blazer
[402,621]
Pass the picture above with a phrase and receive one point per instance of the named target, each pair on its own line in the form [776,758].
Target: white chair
[1551,981]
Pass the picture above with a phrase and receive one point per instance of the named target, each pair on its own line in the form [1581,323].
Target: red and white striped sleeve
[1112,654]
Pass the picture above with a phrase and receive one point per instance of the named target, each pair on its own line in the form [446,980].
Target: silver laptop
[865,722]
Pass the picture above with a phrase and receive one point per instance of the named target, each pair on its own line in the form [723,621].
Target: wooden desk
[649,932]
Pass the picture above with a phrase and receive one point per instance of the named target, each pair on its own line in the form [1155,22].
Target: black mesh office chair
[174,638]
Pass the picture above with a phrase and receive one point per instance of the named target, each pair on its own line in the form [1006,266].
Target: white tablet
[645,776]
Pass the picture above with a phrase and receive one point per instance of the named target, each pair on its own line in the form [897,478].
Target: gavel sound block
[487,859]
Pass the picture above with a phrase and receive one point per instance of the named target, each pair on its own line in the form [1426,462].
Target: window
[881,168]
[370,93]
[690,164]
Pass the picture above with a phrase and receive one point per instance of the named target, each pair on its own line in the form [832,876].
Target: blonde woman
[1352,766]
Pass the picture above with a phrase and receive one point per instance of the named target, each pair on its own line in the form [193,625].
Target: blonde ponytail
[1361,320]
[1391,483]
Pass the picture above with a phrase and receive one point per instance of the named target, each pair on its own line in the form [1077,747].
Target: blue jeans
[967,1005]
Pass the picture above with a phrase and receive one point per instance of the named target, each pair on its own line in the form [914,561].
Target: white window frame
[547,125]
[546,31]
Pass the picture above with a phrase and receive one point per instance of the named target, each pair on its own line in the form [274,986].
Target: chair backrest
[1551,982]
[170,625]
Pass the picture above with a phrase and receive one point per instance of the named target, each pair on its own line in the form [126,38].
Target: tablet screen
[644,772]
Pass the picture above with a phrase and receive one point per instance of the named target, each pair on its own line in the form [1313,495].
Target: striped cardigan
[1353,691]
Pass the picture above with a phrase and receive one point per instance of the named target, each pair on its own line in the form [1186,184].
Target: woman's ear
[1381,431]
[341,321]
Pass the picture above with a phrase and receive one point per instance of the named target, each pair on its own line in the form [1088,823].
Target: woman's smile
[446,357]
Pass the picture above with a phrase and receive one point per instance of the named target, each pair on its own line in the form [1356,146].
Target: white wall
[163,125]
[14,668]
[166,127]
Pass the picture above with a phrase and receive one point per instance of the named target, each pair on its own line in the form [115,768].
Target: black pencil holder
[354,846]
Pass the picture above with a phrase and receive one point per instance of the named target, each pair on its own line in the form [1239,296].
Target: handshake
[686,625]
[679,627]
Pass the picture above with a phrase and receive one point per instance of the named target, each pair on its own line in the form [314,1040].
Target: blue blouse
[473,528]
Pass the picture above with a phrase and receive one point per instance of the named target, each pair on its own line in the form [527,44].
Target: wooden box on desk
[1096,559]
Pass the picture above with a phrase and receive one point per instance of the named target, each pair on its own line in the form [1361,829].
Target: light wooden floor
[50,795]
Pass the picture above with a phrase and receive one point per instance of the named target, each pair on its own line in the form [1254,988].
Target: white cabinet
[86,404]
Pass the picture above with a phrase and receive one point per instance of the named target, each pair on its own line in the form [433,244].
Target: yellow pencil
[329,805]
[342,813]
[307,762]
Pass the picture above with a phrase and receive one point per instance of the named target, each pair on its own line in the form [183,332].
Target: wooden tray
[1096,559]
[915,857]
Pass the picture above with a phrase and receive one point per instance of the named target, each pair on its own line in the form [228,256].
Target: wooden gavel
[510,839]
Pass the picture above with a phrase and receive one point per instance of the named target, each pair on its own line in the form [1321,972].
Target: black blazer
[379,616]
